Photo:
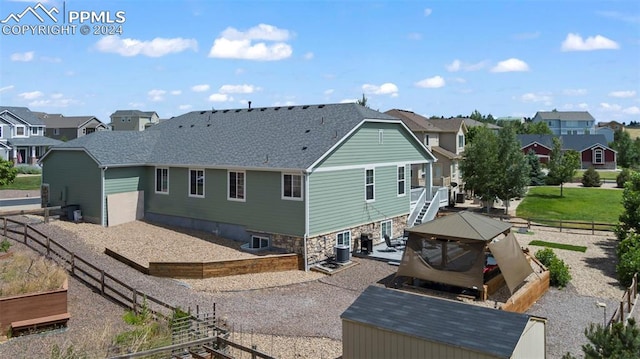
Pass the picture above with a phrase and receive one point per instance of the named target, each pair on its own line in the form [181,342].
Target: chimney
[249,104]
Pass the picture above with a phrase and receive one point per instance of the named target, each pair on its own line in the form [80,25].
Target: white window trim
[260,238]
[291,198]
[155,184]
[404,181]
[244,189]
[372,184]
[601,151]
[380,136]
[56,131]
[24,131]
[390,228]
[203,182]
[1,130]
[343,233]
[34,131]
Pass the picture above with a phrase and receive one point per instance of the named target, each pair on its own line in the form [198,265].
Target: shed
[453,250]
[387,323]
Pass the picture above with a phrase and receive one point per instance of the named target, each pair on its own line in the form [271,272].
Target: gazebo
[455,250]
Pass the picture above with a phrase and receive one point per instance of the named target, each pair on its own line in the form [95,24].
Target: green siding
[363,147]
[75,174]
[264,210]
[124,179]
[337,199]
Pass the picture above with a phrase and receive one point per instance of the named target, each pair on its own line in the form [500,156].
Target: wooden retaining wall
[32,306]
[530,293]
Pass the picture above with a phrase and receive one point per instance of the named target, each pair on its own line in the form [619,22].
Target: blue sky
[444,58]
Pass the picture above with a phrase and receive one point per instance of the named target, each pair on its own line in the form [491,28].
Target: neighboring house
[22,137]
[614,125]
[446,140]
[473,123]
[388,323]
[66,128]
[133,120]
[307,178]
[607,132]
[519,119]
[567,122]
[593,149]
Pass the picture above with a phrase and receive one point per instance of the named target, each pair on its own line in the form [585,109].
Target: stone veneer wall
[321,247]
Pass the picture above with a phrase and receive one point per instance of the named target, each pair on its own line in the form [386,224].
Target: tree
[479,165]
[627,156]
[630,218]
[538,128]
[476,115]
[536,176]
[363,102]
[562,164]
[591,178]
[621,341]
[512,168]
[8,172]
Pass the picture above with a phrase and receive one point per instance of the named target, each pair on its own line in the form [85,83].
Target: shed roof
[463,225]
[480,329]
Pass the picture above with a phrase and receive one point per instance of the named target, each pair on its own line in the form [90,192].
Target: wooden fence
[555,223]
[626,303]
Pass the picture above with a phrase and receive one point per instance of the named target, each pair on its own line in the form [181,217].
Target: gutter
[103,200]
[306,219]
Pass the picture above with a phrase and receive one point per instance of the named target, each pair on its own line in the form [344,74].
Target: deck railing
[627,303]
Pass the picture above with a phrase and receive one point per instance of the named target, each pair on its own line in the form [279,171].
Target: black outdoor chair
[392,244]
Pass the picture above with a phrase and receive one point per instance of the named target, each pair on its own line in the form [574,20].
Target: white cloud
[537,97]
[386,88]
[155,48]
[583,106]
[200,88]
[460,80]
[53,60]
[156,95]
[31,95]
[574,42]
[234,44]
[622,94]
[511,65]
[329,92]
[574,92]
[57,96]
[610,107]
[431,82]
[220,97]
[240,71]
[136,104]
[626,17]
[427,12]
[238,89]
[285,103]
[349,100]
[458,65]
[454,66]
[633,110]
[176,92]
[308,56]
[6,88]
[55,100]
[22,56]
[184,107]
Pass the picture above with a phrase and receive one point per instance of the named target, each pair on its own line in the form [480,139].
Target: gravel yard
[291,314]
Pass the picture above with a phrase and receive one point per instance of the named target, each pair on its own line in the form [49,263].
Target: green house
[302,178]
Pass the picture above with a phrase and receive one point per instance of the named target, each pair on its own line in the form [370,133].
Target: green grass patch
[597,205]
[558,246]
[609,176]
[24,183]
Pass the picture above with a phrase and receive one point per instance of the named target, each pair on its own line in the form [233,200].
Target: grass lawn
[558,246]
[24,183]
[578,204]
[610,176]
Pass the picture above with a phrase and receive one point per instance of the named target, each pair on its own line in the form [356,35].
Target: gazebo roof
[463,225]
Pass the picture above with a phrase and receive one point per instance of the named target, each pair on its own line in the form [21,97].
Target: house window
[369,185]
[344,239]
[1,129]
[19,130]
[401,181]
[291,186]
[56,131]
[34,130]
[385,229]
[196,183]
[258,242]
[460,140]
[162,180]
[426,140]
[380,136]
[236,186]
[598,156]
[87,131]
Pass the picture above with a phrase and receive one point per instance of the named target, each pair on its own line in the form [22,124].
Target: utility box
[342,254]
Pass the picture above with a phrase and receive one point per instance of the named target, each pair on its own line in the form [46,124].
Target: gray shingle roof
[34,141]
[480,329]
[415,122]
[24,114]
[289,137]
[569,142]
[67,121]
[564,115]
[473,123]
[447,125]
[134,113]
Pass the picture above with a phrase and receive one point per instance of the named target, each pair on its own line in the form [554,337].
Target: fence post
[528,223]
[102,281]
[622,310]
[135,301]
[48,247]
[46,215]
[25,233]
[73,263]
[254,347]
[635,285]
[593,227]
[560,226]
[629,301]
[5,226]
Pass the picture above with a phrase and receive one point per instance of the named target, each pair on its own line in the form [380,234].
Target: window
[385,229]
[460,140]
[84,131]
[236,186]
[369,185]
[34,130]
[258,242]
[56,131]
[598,156]
[196,183]
[401,182]
[426,140]
[19,130]
[344,239]
[87,131]
[291,186]
[162,180]
[380,136]
[1,129]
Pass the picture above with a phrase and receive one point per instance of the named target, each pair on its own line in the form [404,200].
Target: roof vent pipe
[249,104]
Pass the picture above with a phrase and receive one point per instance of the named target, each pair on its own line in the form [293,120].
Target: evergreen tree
[363,102]
[591,178]
[536,176]
[621,341]
[628,155]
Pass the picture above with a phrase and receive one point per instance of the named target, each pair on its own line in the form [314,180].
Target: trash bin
[342,254]
[459,197]
[366,243]
[69,209]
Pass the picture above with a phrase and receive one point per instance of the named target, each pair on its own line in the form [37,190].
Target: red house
[593,149]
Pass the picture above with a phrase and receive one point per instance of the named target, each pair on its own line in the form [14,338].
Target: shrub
[559,275]
[5,245]
[29,169]
[623,177]
[545,256]
[591,178]
[628,265]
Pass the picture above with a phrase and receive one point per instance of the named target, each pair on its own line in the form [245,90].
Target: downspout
[103,200]
[306,220]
